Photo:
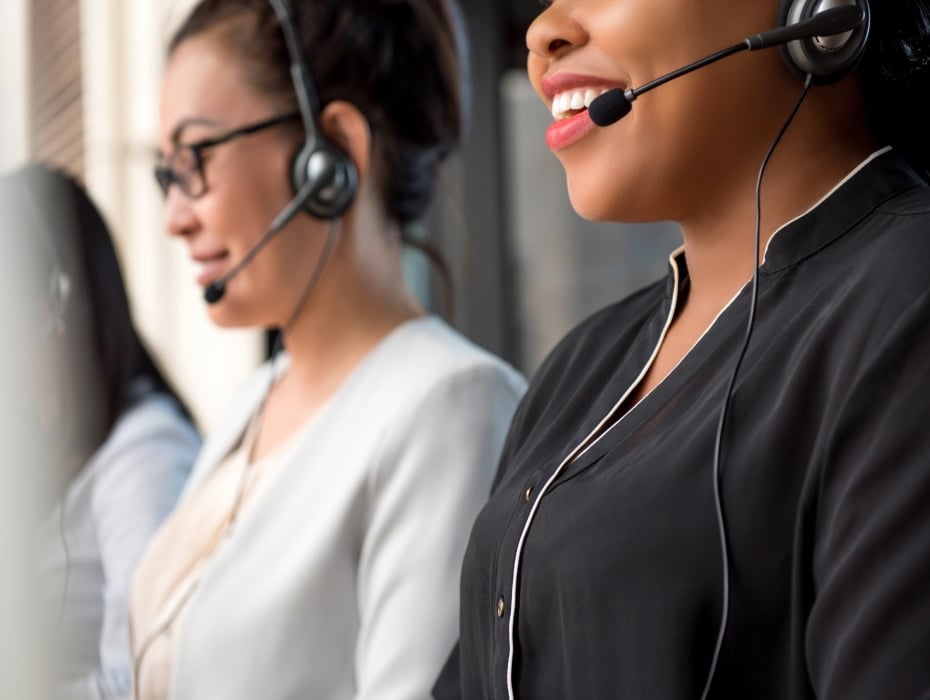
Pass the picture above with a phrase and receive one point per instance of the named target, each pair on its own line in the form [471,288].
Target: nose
[554,32]
[179,217]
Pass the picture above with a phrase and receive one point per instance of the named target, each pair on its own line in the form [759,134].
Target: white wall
[123,46]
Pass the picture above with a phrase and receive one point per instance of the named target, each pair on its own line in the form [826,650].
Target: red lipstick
[563,133]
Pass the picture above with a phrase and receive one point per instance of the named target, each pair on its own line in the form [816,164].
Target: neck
[358,300]
[720,245]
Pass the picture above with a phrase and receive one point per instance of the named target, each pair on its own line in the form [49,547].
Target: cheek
[535,69]
[242,212]
[248,206]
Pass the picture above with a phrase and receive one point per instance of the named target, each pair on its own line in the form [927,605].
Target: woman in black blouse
[720,486]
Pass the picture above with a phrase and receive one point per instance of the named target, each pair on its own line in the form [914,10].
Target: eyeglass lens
[182,168]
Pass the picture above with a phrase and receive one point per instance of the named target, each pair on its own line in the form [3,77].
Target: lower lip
[211,271]
[563,133]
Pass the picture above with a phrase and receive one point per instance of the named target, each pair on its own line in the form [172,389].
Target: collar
[880,177]
[877,179]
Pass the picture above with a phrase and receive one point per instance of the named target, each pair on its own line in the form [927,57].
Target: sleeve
[139,478]
[868,633]
[431,480]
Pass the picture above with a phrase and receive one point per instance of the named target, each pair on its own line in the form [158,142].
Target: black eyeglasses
[184,165]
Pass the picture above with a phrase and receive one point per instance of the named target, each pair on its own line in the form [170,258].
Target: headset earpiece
[59,283]
[333,174]
[329,172]
[826,59]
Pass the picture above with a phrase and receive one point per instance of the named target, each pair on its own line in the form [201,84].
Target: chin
[591,206]
[219,318]
[239,308]
[223,314]
[621,203]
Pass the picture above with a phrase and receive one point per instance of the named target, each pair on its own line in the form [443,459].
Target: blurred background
[80,80]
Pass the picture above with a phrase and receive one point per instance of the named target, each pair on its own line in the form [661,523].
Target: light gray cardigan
[341,578]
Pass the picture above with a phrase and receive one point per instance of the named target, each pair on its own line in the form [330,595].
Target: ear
[344,124]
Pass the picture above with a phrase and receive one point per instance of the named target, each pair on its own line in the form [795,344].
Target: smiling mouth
[572,102]
[210,267]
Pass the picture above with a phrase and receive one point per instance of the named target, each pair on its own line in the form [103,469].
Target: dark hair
[401,62]
[51,221]
[895,73]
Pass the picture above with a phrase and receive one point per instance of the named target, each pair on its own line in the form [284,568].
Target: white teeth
[561,104]
[573,100]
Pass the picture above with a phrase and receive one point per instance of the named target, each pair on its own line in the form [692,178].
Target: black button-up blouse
[596,573]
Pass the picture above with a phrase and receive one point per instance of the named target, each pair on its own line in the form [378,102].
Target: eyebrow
[178,131]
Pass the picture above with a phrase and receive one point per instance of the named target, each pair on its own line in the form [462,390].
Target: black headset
[818,60]
[59,281]
[319,168]
[826,59]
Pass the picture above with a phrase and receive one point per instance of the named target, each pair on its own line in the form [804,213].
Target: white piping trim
[849,175]
[668,374]
[582,447]
[578,450]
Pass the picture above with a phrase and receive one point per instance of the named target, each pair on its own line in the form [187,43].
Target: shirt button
[501,607]
[528,494]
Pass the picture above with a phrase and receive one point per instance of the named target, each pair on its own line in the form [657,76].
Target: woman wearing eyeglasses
[316,551]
